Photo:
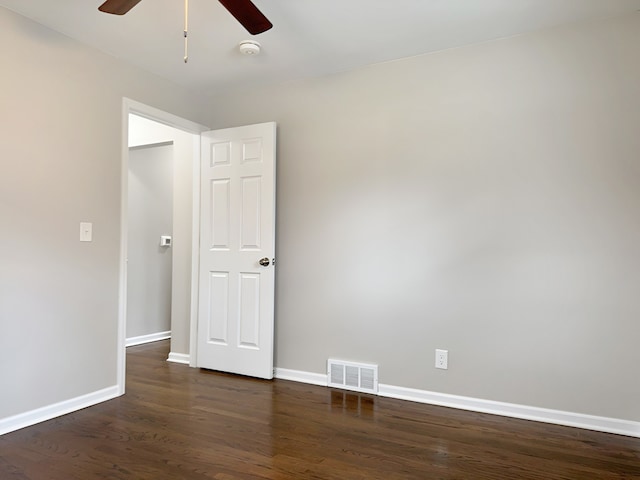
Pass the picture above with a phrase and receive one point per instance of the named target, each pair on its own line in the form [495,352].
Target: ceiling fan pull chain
[186,30]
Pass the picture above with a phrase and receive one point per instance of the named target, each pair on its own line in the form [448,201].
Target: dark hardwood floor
[176,422]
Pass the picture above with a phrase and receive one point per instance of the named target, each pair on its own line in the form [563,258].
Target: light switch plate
[86,231]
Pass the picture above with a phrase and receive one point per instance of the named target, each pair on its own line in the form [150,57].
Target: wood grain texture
[176,422]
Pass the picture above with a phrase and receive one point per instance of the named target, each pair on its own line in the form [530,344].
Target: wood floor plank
[176,423]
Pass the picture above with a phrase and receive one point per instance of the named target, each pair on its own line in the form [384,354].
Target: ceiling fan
[243,10]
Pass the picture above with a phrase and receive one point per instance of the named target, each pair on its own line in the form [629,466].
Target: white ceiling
[309,37]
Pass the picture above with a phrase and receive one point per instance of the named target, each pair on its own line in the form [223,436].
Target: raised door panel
[218,318]
[220,220]
[249,331]
[250,222]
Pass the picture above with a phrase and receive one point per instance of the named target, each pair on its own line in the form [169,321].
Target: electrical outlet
[442,359]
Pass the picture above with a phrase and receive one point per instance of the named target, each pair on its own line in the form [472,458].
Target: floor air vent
[361,377]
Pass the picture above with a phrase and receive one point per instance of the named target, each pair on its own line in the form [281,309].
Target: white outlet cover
[442,359]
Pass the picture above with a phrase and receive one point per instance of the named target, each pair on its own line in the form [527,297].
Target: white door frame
[131,106]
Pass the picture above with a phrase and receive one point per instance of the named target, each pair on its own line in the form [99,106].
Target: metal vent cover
[360,377]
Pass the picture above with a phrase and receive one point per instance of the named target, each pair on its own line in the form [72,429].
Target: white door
[237,248]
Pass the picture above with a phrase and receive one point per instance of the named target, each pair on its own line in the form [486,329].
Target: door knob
[264,262]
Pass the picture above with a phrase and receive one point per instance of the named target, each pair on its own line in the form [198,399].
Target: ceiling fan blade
[248,15]
[118,7]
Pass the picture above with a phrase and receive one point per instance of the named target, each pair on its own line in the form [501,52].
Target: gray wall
[483,200]
[61,112]
[150,215]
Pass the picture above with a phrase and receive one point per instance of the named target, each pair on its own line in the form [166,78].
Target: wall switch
[86,231]
[442,359]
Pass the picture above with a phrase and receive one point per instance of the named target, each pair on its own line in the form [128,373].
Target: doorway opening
[160,153]
[149,239]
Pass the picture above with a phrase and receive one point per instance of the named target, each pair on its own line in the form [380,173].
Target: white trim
[183,358]
[144,146]
[152,337]
[302,377]
[525,412]
[195,253]
[43,414]
[121,357]
[160,116]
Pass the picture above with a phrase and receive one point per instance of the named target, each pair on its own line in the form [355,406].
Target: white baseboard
[300,376]
[179,358]
[152,337]
[557,417]
[525,412]
[32,417]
